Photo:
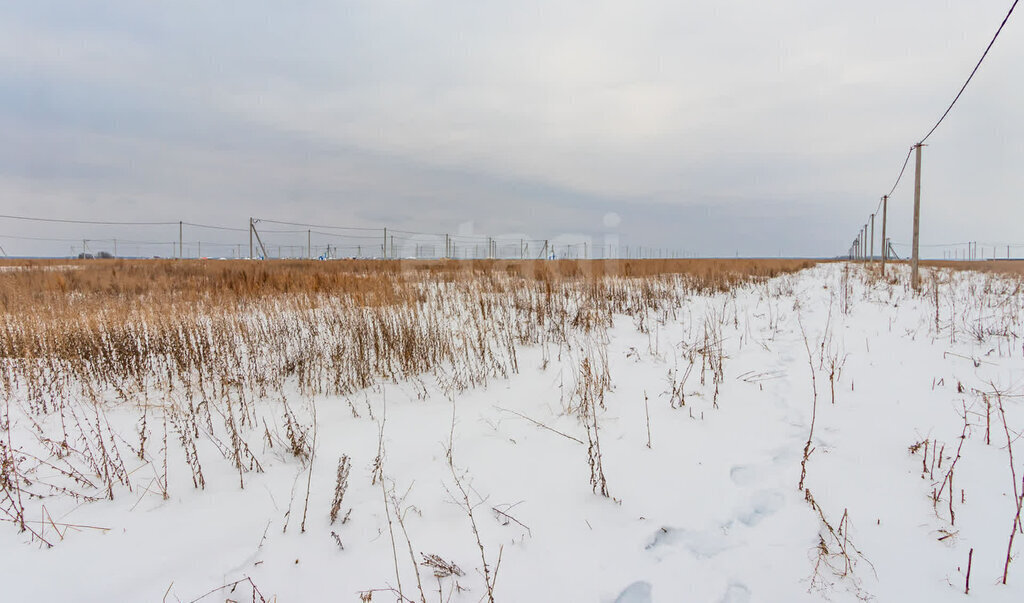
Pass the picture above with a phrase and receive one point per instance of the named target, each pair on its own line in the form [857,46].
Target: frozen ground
[705,421]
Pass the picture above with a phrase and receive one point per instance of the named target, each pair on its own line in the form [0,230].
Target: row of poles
[489,248]
[970,251]
[863,246]
[859,248]
[371,243]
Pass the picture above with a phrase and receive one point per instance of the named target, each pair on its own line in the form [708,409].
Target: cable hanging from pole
[314,225]
[946,113]
[902,170]
[97,222]
[973,71]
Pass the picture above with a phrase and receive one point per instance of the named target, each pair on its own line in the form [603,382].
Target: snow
[710,511]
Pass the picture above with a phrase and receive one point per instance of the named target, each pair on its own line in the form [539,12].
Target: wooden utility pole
[915,278]
[252,231]
[181,250]
[309,244]
[885,241]
[384,247]
[872,255]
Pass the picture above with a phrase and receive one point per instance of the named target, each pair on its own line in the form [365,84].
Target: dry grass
[194,346]
[140,324]
[996,266]
[195,280]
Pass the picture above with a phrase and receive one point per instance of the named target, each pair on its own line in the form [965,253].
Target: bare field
[624,431]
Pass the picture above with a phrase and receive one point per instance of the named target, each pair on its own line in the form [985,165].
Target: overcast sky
[750,128]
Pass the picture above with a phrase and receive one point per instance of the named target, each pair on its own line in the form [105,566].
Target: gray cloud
[751,128]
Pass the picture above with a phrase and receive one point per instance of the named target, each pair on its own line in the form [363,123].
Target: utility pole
[384,247]
[885,248]
[181,250]
[309,247]
[252,231]
[915,278]
[115,249]
[872,256]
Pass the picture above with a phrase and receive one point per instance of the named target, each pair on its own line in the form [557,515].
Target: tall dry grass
[334,326]
[193,346]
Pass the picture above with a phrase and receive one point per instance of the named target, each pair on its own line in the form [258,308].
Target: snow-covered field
[693,420]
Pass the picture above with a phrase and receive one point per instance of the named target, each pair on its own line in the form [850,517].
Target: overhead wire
[973,71]
[314,225]
[946,113]
[97,222]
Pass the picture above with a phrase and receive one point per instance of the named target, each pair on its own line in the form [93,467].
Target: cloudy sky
[750,128]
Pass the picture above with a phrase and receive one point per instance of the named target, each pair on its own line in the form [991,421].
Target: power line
[950,107]
[344,236]
[215,227]
[975,70]
[902,169]
[45,239]
[932,244]
[99,222]
[314,225]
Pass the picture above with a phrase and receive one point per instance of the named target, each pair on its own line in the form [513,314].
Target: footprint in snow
[637,592]
[742,475]
[736,593]
[762,504]
[702,545]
